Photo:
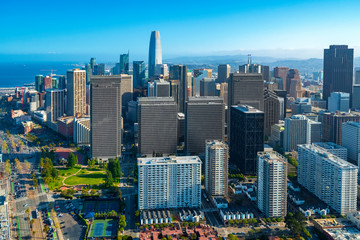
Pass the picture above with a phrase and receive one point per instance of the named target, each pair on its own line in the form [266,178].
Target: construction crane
[51,72]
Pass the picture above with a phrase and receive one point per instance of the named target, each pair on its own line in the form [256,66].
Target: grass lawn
[88,179]
[63,172]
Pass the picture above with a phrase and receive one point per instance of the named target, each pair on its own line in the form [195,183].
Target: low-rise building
[235,214]
[155,217]
[82,131]
[65,126]
[220,202]
[191,215]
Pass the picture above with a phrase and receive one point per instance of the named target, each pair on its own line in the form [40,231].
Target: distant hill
[303,65]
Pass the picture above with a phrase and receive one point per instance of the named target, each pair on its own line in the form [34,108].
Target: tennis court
[103,228]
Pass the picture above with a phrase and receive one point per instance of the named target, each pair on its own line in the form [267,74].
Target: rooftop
[145,100]
[246,109]
[329,145]
[353,124]
[169,160]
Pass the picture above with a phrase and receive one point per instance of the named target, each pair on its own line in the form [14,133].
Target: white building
[300,130]
[216,168]
[339,101]
[329,177]
[333,148]
[351,139]
[235,214]
[82,131]
[272,184]
[169,182]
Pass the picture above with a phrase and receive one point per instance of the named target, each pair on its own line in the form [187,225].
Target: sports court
[101,206]
[103,228]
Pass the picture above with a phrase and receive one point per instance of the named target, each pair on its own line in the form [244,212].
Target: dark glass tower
[138,73]
[124,63]
[246,138]
[179,72]
[155,56]
[338,70]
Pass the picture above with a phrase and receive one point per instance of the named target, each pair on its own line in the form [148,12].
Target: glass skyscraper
[155,56]
[138,73]
[124,64]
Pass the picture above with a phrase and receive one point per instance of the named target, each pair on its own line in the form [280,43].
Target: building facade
[351,140]
[223,73]
[216,168]
[170,182]
[339,101]
[272,184]
[76,92]
[55,104]
[155,55]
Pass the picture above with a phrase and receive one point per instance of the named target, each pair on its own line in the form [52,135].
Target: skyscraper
[207,87]
[293,83]
[339,101]
[216,168]
[55,104]
[246,137]
[161,88]
[223,73]
[157,118]
[272,184]
[281,72]
[272,110]
[246,89]
[126,88]
[155,55]
[204,120]
[169,182]
[76,92]
[124,63]
[338,70]
[332,125]
[179,72]
[106,120]
[351,140]
[330,178]
[39,79]
[138,73]
[300,130]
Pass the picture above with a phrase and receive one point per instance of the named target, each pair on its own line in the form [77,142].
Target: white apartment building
[216,168]
[329,177]
[272,184]
[169,182]
[333,148]
[351,140]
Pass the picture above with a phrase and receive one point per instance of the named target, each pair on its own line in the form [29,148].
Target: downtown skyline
[273,28]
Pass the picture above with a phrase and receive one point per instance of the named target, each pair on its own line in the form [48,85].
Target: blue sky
[289,28]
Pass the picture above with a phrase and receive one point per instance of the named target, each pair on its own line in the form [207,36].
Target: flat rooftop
[246,109]
[169,160]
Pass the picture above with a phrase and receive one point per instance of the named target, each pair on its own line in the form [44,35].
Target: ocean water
[18,74]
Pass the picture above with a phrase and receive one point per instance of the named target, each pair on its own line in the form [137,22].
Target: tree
[296,223]
[27,165]
[7,167]
[137,213]
[114,167]
[232,237]
[109,181]
[41,162]
[72,160]
[231,222]
[32,221]
[46,228]
[193,236]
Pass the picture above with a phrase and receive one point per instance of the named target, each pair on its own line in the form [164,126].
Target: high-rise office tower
[151,89]
[255,68]
[356,96]
[92,63]
[338,70]
[272,184]
[204,120]
[138,73]
[300,130]
[282,94]
[332,125]
[265,71]
[55,104]
[89,72]
[281,72]
[126,88]
[272,110]
[155,55]
[157,118]
[76,92]
[179,72]
[175,91]
[208,87]
[161,88]
[62,81]
[169,182]
[339,101]
[105,120]
[357,76]
[329,177]
[224,92]
[301,106]
[333,148]
[293,83]
[39,79]
[246,89]
[99,69]
[162,70]
[223,73]
[216,168]
[246,137]
[200,74]
[124,63]
[351,140]
[47,81]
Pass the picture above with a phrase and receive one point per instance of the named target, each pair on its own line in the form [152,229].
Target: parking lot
[70,225]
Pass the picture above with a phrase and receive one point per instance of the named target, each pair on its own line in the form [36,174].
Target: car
[84,226]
